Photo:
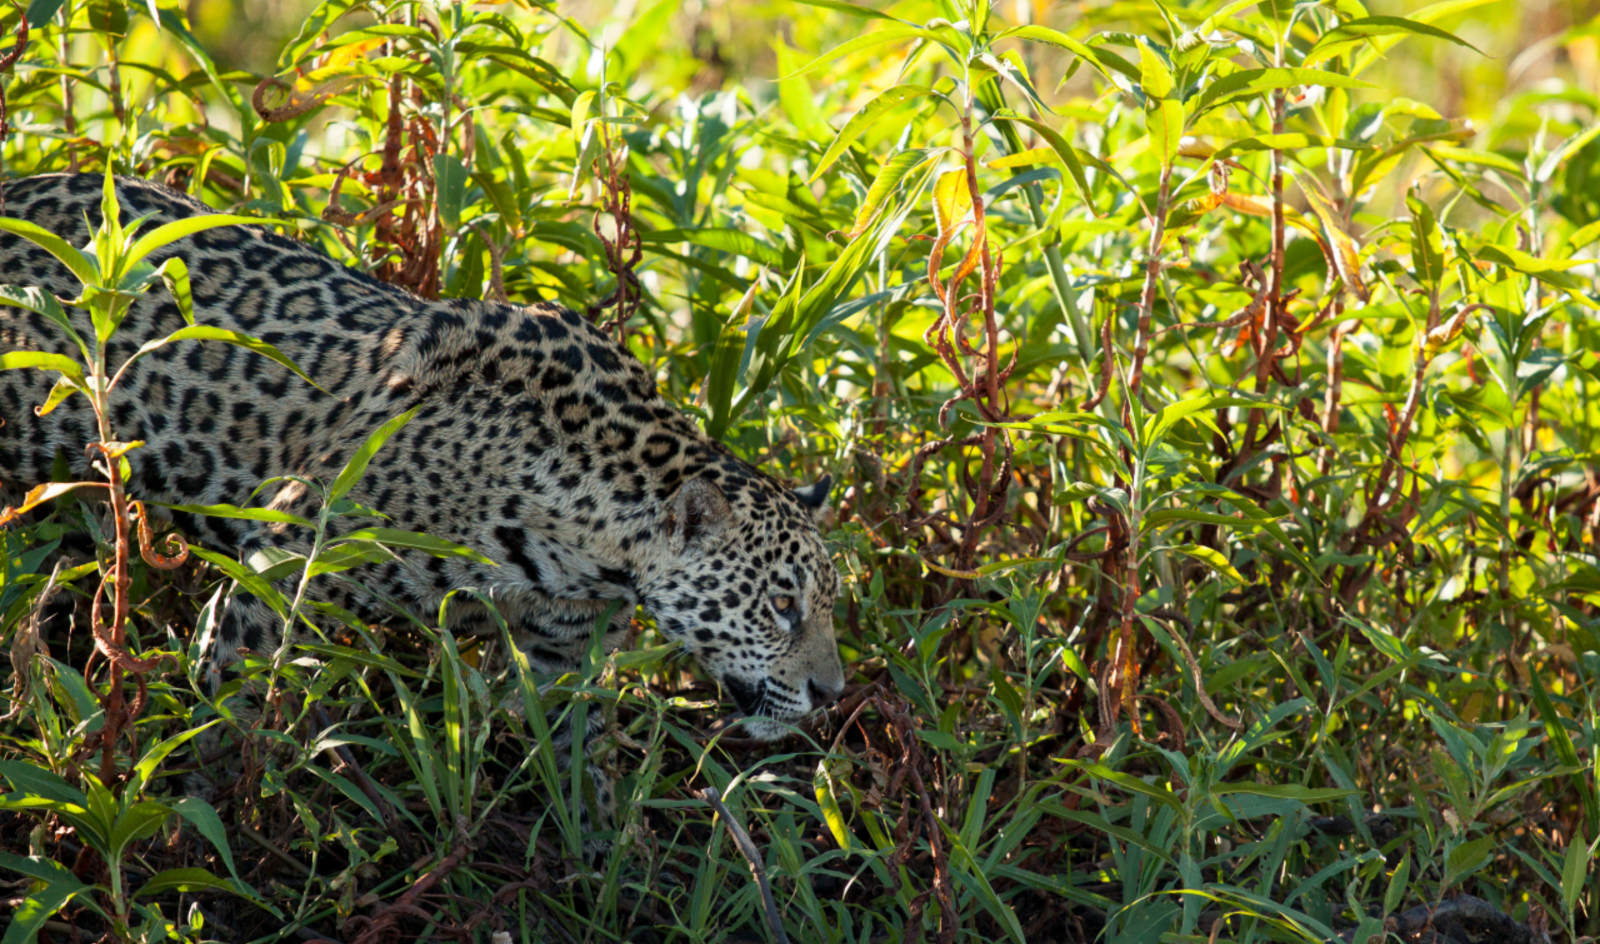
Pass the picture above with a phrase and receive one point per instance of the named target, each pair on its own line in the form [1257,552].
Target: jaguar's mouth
[751,697]
[757,718]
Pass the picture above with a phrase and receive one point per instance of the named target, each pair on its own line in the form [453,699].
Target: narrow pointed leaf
[43,360]
[168,233]
[81,266]
[1063,151]
[1357,33]
[886,103]
[357,466]
[1250,82]
[438,547]
[209,333]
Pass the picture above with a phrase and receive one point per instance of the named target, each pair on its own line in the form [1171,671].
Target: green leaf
[1094,821]
[209,333]
[893,34]
[1553,728]
[351,554]
[1211,558]
[450,179]
[413,540]
[883,105]
[504,200]
[1254,516]
[723,373]
[203,817]
[182,880]
[580,111]
[145,769]
[175,274]
[1286,142]
[29,780]
[1130,783]
[1427,244]
[1285,791]
[1356,33]
[723,239]
[1550,271]
[1165,124]
[1464,860]
[1397,886]
[178,229]
[357,466]
[942,741]
[887,183]
[1250,82]
[42,360]
[966,867]
[793,319]
[1155,76]
[1575,870]
[311,30]
[1164,419]
[1535,369]
[832,815]
[850,9]
[248,579]
[360,657]
[1100,61]
[139,821]
[40,869]
[1064,151]
[40,12]
[42,302]
[234,511]
[28,917]
[82,267]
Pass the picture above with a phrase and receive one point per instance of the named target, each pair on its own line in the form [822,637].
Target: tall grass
[1213,403]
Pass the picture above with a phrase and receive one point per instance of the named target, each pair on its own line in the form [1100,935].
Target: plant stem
[1147,297]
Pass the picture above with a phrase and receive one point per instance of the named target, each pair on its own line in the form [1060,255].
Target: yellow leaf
[1346,255]
[822,783]
[345,55]
[952,200]
[40,494]
[1245,203]
[1211,558]
[1426,348]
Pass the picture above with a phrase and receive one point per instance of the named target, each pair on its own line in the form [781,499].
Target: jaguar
[537,439]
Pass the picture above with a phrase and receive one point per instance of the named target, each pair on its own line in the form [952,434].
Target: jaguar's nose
[823,695]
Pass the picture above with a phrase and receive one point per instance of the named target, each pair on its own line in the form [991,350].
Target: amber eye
[783,604]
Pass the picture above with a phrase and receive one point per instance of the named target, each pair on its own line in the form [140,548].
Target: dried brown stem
[752,855]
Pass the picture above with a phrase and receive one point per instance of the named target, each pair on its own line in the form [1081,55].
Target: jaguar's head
[746,584]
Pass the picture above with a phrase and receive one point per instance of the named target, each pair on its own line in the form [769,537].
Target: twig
[406,904]
[752,855]
[266,844]
[1194,667]
[343,754]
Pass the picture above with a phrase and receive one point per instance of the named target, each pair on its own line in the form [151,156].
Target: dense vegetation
[1217,429]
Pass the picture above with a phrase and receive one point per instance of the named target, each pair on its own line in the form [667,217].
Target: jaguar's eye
[783,604]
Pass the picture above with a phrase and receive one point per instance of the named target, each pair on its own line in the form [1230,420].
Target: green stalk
[993,99]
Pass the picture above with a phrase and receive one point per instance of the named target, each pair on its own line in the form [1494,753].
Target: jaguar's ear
[700,512]
[815,496]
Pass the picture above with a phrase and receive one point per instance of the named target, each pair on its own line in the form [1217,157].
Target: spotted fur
[539,441]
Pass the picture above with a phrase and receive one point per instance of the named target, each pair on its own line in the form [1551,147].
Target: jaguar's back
[217,419]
